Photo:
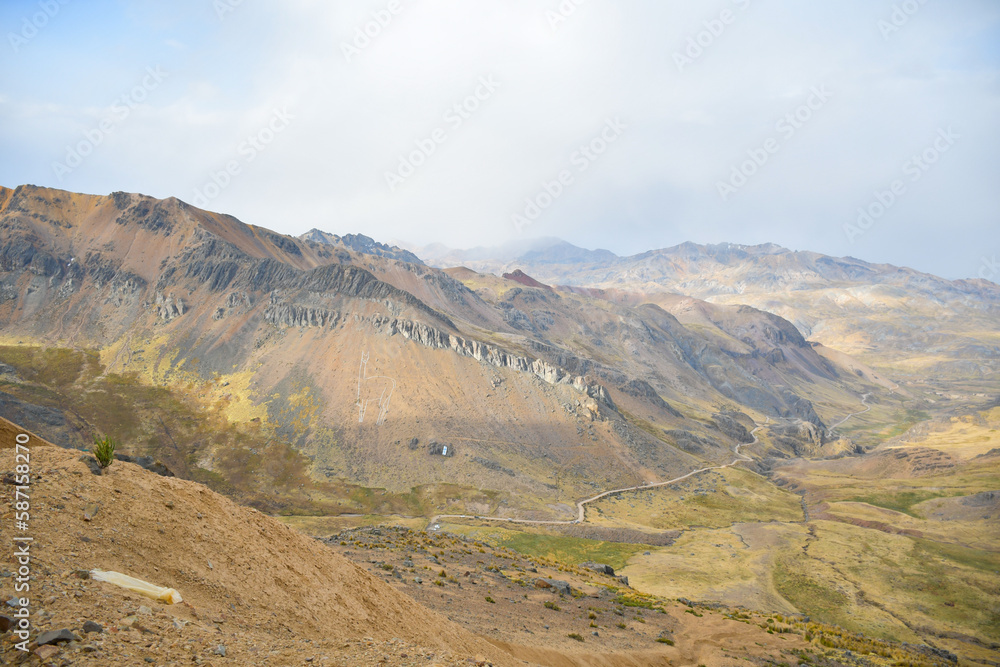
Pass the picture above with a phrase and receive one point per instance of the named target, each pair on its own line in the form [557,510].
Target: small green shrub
[552,605]
[104,450]
[490,600]
[576,636]
[664,640]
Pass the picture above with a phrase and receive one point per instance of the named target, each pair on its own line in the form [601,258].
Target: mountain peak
[361,244]
[520,276]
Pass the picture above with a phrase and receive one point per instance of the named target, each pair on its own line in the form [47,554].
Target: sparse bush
[576,636]
[490,600]
[552,605]
[664,640]
[104,450]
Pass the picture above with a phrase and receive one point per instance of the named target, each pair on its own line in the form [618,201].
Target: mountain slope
[894,318]
[395,375]
[244,577]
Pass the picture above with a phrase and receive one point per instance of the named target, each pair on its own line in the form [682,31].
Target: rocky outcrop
[362,244]
[168,308]
[731,427]
[289,315]
[145,212]
[489,354]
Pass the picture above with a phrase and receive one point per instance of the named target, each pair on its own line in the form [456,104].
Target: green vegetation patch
[809,595]
[559,548]
[898,501]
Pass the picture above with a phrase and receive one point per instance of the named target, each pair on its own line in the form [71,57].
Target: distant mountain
[909,323]
[389,373]
[362,244]
[520,276]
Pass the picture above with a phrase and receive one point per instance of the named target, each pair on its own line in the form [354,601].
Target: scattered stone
[46,652]
[56,636]
[144,610]
[6,623]
[220,650]
[90,511]
[89,648]
[558,585]
[169,504]
[90,626]
[418,580]
[91,462]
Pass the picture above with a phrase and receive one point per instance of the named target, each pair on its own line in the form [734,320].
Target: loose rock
[90,626]
[56,636]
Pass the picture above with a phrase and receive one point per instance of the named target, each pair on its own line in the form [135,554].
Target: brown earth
[248,582]
[257,592]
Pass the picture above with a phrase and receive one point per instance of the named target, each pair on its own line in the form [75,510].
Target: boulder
[560,586]
[599,567]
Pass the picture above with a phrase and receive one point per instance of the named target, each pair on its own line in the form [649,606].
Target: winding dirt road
[581,506]
[864,402]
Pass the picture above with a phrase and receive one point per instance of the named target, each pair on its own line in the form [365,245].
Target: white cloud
[655,187]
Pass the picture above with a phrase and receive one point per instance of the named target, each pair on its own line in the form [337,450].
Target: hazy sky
[624,125]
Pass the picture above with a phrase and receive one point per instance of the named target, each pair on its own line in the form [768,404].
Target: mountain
[390,374]
[909,324]
[361,244]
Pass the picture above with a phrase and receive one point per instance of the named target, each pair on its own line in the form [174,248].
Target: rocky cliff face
[531,377]
[492,355]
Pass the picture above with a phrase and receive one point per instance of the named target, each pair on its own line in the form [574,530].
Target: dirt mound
[247,578]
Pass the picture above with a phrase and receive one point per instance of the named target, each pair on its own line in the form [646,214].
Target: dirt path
[581,505]
[864,402]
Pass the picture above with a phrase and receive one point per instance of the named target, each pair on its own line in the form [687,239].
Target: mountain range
[580,371]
